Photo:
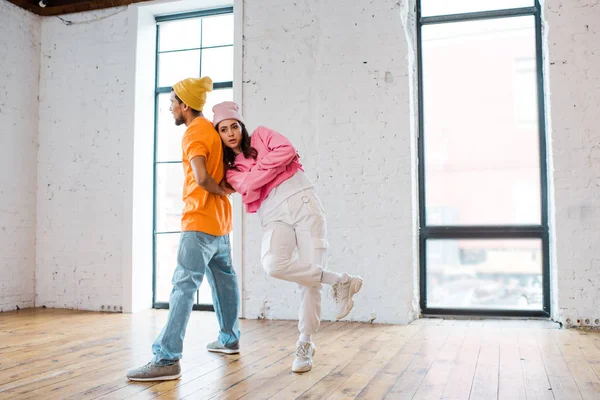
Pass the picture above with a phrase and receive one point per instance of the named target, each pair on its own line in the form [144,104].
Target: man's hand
[227,187]
[203,178]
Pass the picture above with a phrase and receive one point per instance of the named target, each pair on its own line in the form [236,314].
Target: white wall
[574,77]
[331,100]
[338,78]
[19,74]
[95,162]
[137,276]
[333,77]
[85,160]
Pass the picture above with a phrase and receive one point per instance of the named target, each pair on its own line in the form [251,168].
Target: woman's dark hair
[247,150]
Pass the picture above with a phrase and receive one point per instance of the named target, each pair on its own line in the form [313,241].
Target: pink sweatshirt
[277,161]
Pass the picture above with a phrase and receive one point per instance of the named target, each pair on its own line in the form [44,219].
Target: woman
[265,170]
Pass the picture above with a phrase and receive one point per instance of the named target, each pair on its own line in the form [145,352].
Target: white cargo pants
[299,224]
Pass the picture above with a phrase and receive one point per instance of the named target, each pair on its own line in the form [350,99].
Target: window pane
[216,97]
[205,294]
[481,137]
[179,35]
[168,140]
[169,202]
[166,261]
[486,274]
[218,64]
[445,7]
[173,67]
[217,31]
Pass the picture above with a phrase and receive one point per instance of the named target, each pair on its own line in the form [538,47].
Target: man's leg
[195,252]
[225,293]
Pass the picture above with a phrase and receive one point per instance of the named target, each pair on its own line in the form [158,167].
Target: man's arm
[203,178]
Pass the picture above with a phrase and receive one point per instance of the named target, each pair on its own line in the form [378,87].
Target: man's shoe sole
[224,351]
[158,378]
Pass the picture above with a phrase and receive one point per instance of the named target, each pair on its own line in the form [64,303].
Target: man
[204,244]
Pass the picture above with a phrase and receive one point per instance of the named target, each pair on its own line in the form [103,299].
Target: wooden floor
[59,354]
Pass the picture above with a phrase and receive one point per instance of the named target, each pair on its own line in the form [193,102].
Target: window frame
[158,90]
[540,231]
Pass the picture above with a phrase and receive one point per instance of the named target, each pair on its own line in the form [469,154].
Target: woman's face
[231,134]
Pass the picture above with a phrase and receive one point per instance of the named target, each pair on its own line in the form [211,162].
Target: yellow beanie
[192,91]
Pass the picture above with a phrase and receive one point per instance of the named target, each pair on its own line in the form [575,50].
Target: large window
[191,45]
[482,164]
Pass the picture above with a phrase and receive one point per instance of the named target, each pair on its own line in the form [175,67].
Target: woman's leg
[279,243]
[311,233]
[310,307]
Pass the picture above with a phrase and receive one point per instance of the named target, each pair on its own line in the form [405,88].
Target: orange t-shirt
[203,211]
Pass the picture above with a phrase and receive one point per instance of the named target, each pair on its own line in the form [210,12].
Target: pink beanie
[226,110]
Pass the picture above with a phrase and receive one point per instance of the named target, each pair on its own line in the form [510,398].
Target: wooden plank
[537,385]
[433,339]
[387,376]
[584,375]
[209,381]
[435,381]
[278,375]
[589,343]
[333,356]
[115,384]
[437,377]
[562,382]
[485,381]
[61,383]
[351,378]
[460,379]
[195,367]
[62,354]
[511,384]
[353,373]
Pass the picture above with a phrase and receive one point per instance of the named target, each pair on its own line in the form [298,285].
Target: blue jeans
[199,253]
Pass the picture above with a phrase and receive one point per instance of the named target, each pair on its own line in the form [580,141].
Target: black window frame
[157,92]
[540,231]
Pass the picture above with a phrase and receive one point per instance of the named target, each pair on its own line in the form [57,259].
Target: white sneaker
[304,354]
[343,293]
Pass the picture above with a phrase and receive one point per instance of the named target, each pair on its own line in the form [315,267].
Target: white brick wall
[333,77]
[85,166]
[19,72]
[574,73]
[335,80]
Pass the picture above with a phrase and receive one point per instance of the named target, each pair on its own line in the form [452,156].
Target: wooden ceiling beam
[25,4]
[61,7]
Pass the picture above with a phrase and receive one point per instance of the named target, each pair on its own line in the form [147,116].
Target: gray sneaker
[217,347]
[153,372]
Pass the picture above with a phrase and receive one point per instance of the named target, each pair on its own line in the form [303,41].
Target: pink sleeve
[249,184]
[280,150]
